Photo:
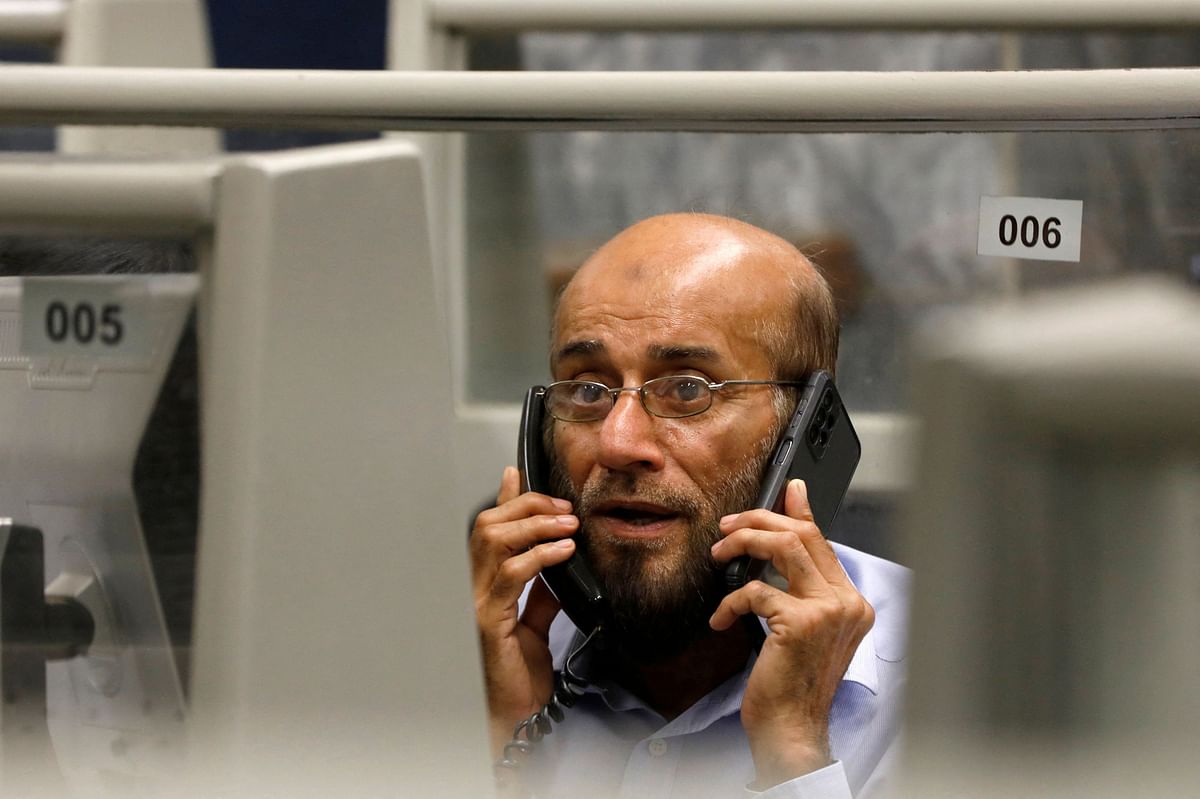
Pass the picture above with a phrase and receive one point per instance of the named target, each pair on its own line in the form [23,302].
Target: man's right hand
[510,545]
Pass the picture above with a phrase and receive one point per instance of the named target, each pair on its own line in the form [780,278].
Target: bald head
[752,282]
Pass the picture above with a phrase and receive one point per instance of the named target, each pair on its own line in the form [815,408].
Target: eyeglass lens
[672,397]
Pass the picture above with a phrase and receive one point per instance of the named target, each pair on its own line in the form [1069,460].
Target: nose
[627,437]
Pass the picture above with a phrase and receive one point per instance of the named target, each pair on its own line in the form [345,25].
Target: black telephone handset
[820,447]
[571,581]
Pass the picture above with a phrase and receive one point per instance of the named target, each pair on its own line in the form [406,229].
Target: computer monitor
[73,411]
[1054,530]
[334,646]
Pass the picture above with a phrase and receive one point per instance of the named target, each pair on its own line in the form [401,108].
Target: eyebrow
[584,347]
[658,352]
[679,352]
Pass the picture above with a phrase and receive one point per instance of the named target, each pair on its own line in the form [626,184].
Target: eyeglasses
[672,397]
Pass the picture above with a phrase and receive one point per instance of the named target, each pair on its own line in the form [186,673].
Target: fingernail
[562,504]
[565,521]
[716,546]
[725,520]
[564,543]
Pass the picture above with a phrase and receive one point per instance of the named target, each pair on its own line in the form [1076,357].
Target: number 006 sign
[84,316]
[1030,227]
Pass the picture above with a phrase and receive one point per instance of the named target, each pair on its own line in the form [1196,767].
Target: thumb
[510,485]
[796,501]
[540,609]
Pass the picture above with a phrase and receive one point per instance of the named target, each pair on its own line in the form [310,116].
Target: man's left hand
[814,629]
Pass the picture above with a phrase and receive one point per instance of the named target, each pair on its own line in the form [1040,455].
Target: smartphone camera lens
[814,435]
[827,401]
[833,417]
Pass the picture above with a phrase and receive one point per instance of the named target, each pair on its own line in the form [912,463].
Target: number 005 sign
[84,316]
[1030,227]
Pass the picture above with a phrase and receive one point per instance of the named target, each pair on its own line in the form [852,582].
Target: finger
[786,552]
[510,485]
[795,502]
[754,597]
[528,504]
[759,518]
[799,522]
[513,537]
[495,544]
[513,573]
[541,607]
[796,506]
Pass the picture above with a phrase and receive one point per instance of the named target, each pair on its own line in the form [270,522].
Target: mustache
[613,486]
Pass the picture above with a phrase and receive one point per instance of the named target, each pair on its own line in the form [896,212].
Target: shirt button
[658,747]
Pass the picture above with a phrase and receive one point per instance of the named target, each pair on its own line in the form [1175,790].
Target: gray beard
[661,601]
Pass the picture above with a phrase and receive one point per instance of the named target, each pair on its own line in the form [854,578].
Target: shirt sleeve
[824,783]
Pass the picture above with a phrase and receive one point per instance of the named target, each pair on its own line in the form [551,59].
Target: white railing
[45,193]
[677,101]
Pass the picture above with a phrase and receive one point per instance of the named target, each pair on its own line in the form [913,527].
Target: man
[684,702]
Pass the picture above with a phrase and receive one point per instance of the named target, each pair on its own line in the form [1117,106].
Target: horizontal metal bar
[678,101]
[32,21]
[46,193]
[490,16]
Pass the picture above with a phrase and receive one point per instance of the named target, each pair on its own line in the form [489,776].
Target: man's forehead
[621,321]
[677,283]
[722,283]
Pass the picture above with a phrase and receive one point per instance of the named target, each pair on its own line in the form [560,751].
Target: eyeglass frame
[614,393]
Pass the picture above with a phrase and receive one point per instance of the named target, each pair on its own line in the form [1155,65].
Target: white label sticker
[91,316]
[1030,227]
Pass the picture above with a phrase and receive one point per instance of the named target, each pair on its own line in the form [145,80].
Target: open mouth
[636,514]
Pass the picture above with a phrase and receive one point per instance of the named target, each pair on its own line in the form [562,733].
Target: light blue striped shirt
[612,745]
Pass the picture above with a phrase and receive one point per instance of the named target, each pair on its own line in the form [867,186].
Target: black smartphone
[820,447]
[571,581]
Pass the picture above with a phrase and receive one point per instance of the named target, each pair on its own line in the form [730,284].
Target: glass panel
[892,219]
[166,478]
[115,714]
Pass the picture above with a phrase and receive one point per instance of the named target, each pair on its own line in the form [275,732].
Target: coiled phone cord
[568,687]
